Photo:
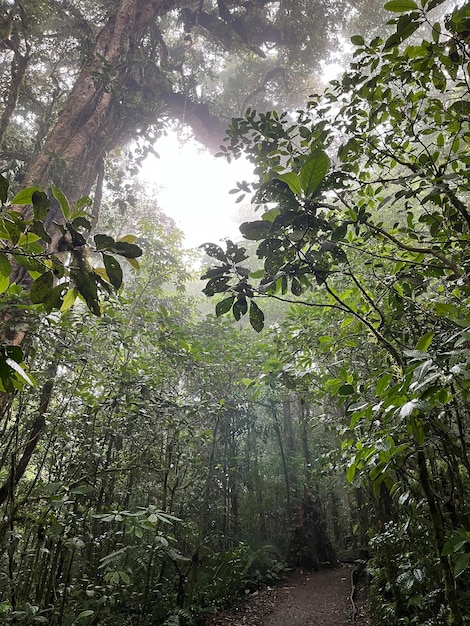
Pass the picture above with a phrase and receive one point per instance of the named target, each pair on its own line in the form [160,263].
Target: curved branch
[207,128]
[19,65]
[378,335]
[418,249]
[269,76]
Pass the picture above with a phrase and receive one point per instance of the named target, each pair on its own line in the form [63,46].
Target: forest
[180,427]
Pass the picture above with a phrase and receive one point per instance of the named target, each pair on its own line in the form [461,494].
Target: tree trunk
[17,470]
[90,124]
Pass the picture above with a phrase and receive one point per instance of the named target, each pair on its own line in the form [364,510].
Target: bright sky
[193,190]
[194,185]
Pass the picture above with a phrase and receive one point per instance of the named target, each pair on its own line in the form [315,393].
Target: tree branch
[207,128]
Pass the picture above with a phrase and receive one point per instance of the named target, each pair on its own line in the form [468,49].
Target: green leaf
[37,228]
[292,181]
[78,240]
[81,222]
[128,239]
[41,288]
[255,230]
[5,265]
[457,541]
[82,490]
[461,564]
[20,371]
[382,384]
[27,241]
[351,472]
[4,283]
[13,230]
[461,107]
[41,204]
[240,308]
[128,250]
[256,317]
[339,233]
[434,3]
[25,196]
[87,287]
[357,40]
[133,263]
[224,306]
[425,341]
[84,614]
[62,200]
[214,251]
[69,299]
[400,6]
[418,430]
[296,287]
[314,171]
[346,390]
[113,270]
[271,214]
[29,263]
[103,242]
[124,577]
[4,184]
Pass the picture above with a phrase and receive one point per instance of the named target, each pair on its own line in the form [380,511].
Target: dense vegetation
[156,461]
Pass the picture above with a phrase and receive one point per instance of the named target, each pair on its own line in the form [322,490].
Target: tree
[364,216]
[135,69]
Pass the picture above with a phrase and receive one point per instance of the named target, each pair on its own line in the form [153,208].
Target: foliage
[364,221]
[150,418]
[226,576]
[34,279]
[169,462]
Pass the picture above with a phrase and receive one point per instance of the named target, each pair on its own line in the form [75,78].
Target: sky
[193,189]
[193,185]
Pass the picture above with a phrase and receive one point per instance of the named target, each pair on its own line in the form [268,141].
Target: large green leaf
[4,283]
[314,171]
[103,242]
[41,288]
[20,371]
[113,270]
[25,196]
[212,250]
[400,6]
[425,341]
[41,204]
[256,317]
[255,230]
[240,307]
[37,227]
[224,306]
[128,250]
[461,564]
[5,265]
[87,287]
[62,200]
[69,300]
[292,181]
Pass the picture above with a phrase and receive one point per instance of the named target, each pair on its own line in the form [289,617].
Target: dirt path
[305,599]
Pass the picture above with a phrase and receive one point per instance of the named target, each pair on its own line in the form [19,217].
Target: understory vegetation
[158,461]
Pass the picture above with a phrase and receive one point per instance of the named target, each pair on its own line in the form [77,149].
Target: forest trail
[320,598]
